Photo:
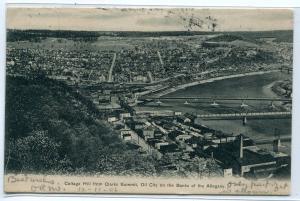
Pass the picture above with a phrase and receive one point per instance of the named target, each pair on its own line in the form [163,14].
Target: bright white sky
[146,19]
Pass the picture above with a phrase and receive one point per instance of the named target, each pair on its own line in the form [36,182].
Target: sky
[118,19]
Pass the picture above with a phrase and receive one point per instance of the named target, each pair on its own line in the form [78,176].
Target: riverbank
[283,89]
[198,82]
[247,86]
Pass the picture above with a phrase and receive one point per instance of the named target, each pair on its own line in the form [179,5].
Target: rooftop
[229,157]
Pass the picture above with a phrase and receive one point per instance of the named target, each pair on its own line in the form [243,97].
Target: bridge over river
[198,98]
[245,115]
[270,140]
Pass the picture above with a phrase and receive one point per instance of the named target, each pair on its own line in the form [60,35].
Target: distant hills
[226,38]
[19,35]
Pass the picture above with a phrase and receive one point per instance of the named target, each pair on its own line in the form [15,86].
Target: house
[124,115]
[148,132]
[168,148]
[173,134]
[140,78]
[114,99]
[124,131]
[191,117]
[127,137]
[168,126]
[227,172]
[193,141]
[182,138]
[103,99]
[102,78]
[177,113]
[183,119]
[204,145]
[112,119]
[208,136]
[126,134]
[159,144]
[138,125]
[159,135]
[154,141]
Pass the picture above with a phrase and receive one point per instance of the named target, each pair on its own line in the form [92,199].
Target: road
[110,77]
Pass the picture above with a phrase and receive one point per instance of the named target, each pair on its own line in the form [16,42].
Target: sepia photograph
[148,100]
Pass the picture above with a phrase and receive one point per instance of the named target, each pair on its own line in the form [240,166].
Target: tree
[213,168]
[36,152]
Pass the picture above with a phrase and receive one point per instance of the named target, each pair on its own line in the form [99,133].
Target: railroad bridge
[245,116]
[286,68]
[216,98]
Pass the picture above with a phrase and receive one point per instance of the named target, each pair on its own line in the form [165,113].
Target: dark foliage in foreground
[49,130]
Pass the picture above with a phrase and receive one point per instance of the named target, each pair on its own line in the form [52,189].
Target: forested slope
[49,130]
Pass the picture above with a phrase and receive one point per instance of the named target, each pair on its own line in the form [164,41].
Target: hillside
[49,130]
[225,38]
[21,35]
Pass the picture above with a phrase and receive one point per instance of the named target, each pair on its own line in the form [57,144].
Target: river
[247,86]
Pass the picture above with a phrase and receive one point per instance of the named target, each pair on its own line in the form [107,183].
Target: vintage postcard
[148,100]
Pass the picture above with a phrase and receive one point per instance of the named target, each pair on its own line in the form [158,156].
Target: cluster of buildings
[73,65]
[145,62]
[178,136]
[242,157]
[136,71]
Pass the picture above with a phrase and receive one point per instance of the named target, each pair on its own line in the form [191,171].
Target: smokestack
[276,142]
[276,145]
[241,146]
